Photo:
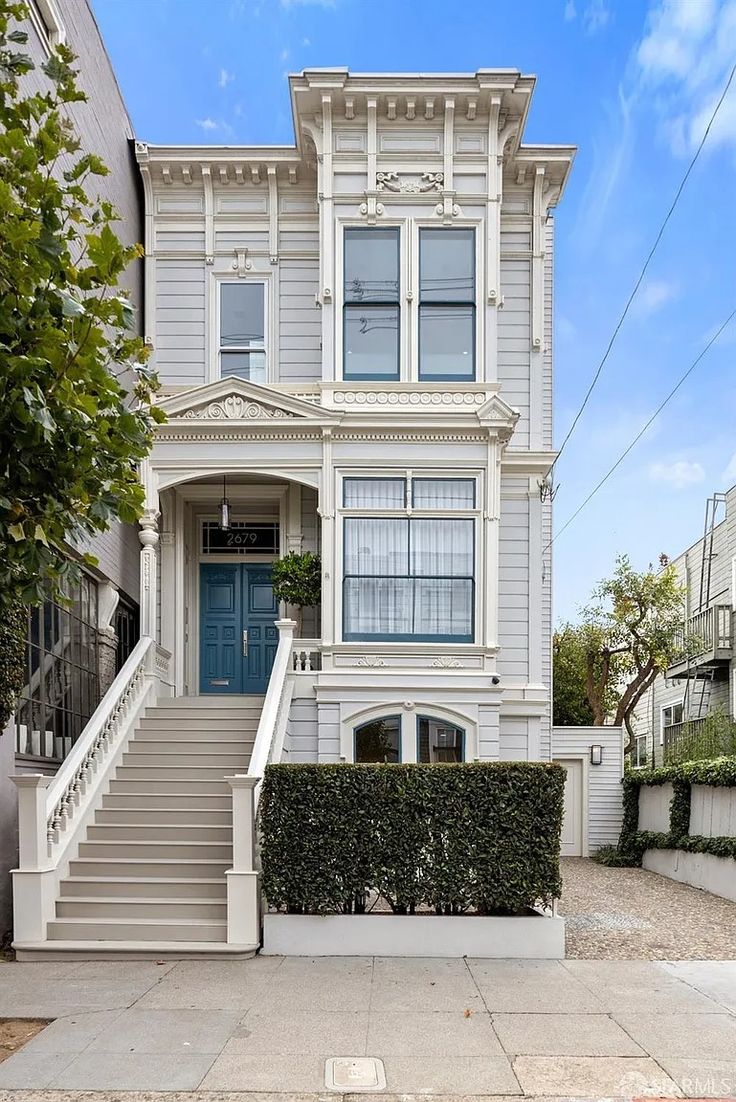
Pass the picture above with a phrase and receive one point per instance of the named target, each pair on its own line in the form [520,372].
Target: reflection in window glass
[371,304]
[378,740]
[447,304]
[242,331]
[439,741]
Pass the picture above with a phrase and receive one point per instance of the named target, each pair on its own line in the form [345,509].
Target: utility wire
[638,283]
[639,435]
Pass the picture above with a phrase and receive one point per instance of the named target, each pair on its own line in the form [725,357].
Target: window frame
[473,376]
[408,512]
[345,303]
[666,708]
[270,329]
[366,722]
[409,716]
[433,719]
[45,18]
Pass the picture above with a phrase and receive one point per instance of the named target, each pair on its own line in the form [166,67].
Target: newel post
[33,880]
[243,887]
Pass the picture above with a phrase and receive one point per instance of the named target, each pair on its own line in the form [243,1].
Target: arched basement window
[379,740]
[439,741]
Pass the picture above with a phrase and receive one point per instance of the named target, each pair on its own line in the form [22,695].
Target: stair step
[214,700]
[185,850]
[207,800]
[151,887]
[152,743]
[206,725]
[159,832]
[139,756]
[141,867]
[129,907]
[114,929]
[169,817]
[175,787]
[170,772]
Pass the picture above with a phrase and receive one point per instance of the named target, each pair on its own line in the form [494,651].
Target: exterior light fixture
[224,508]
[596,754]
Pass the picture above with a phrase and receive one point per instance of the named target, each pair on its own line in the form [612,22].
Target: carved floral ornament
[428,181]
[234,408]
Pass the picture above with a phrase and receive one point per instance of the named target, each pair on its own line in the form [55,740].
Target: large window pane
[371,341]
[243,365]
[447,265]
[241,314]
[447,342]
[442,548]
[443,493]
[378,607]
[378,741]
[371,265]
[374,545]
[443,607]
[438,740]
[374,493]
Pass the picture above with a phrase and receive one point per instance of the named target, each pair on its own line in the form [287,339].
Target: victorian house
[354,338]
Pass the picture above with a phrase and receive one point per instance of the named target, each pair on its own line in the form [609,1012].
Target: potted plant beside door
[297,580]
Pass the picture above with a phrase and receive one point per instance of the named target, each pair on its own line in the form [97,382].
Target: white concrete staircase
[150,874]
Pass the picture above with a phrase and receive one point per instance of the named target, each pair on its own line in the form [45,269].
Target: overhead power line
[643,271]
[639,435]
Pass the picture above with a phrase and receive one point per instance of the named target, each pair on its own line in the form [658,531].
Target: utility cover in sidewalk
[354,1073]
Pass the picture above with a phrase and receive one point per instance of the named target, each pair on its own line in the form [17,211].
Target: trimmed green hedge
[454,838]
[719,773]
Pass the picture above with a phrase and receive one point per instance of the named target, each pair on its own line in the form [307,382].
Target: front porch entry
[238,637]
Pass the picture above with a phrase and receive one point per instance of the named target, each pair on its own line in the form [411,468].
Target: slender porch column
[149,538]
[243,888]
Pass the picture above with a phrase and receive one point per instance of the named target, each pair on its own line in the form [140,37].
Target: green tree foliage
[629,633]
[12,651]
[571,707]
[71,435]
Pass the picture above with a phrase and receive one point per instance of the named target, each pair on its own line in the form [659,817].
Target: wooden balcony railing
[706,637]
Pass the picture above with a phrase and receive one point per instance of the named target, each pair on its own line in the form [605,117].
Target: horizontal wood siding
[514,339]
[605,793]
[514,739]
[301,730]
[513,598]
[180,322]
[300,321]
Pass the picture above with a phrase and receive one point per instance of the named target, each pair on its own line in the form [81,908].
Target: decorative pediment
[499,415]
[240,400]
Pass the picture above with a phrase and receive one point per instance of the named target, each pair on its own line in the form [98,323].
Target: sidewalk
[576,1028]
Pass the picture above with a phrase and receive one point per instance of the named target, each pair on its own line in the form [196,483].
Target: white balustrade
[53,812]
[306,656]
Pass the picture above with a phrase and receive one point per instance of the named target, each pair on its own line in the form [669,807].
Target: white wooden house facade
[390,405]
[354,340]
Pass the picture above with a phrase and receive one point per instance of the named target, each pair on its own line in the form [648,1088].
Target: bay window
[371,304]
[409,573]
[446,304]
[242,329]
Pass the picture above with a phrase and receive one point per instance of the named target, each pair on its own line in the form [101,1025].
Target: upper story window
[446,304]
[371,308]
[46,19]
[409,568]
[242,329]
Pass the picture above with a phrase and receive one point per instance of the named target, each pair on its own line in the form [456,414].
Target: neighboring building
[705,682]
[354,337]
[74,651]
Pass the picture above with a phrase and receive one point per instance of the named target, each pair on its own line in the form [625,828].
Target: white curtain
[374,493]
[443,493]
[442,547]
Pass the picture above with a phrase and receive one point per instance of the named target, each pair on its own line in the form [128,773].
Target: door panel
[571,840]
[220,618]
[261,611]
[238,639]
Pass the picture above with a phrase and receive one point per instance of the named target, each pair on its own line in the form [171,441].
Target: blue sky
[632,83]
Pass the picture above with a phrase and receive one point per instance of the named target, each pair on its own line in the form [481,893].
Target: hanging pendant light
[224,508]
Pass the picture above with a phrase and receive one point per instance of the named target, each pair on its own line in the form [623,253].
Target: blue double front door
[238,638]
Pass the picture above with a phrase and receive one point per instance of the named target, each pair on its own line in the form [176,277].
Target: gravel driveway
[627,914]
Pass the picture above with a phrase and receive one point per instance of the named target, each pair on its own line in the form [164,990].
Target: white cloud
[678,475]
[570,11]
[207,124]
[566,330]
[308,3]
[284,55]
[595,17]
[652,296]
[685,56]
[225,78]
[306,42]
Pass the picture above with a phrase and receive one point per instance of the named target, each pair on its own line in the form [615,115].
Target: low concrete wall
[654,807]
[701,870]
[712,811]
[539,937]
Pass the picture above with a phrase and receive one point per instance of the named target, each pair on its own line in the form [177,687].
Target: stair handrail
[272,714]
[99,735]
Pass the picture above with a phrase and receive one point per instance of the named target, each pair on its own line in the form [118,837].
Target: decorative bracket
[241,263]
[371,208]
